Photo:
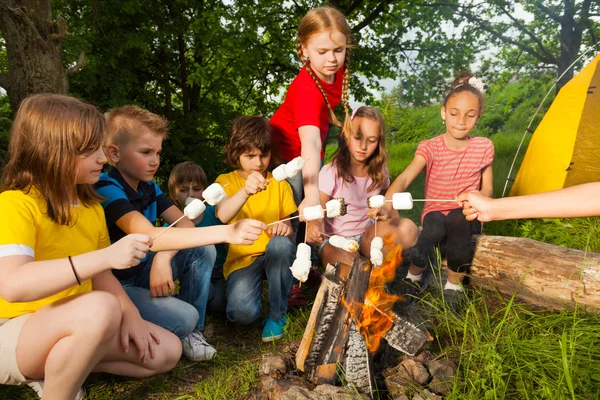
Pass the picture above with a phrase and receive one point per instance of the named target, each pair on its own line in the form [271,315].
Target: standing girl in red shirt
[454,163]
[302,121]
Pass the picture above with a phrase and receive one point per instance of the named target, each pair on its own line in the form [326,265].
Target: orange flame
[377,316]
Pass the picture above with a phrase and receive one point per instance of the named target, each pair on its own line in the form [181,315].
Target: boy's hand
[129,251]
[379,214]
[314,232]
[246,231]
[161,275]
[280,229]
[255,183]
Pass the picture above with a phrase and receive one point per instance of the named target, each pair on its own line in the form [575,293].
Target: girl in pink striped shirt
[454,163]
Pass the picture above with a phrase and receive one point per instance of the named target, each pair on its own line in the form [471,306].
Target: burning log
[542,274]
[333,348]
[350,316]
[358,365]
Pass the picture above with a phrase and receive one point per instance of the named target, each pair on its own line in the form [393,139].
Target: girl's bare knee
[408,233]
[168,353]
[101,315]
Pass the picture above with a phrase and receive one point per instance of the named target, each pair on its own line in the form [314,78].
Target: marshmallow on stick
[285,171]
[333,208]
[376,201]
[342,243]
[376,251]
[193,209]
[301,266]
[400,201]
[214,194]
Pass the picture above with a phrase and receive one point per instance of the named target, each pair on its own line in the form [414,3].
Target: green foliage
[510,105]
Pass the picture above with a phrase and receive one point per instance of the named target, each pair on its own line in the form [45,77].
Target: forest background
[202,63]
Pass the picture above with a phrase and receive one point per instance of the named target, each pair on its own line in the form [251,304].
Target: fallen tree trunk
[542,274]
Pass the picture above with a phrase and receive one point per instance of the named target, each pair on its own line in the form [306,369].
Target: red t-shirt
[304,105]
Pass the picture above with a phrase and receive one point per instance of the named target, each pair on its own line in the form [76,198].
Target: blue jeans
[182,313]
[244,286]
[217,300]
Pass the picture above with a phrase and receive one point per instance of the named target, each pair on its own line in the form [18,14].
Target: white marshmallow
[303,251]
[188,201]
[300,269]
[376,256]
[279,173]
[194,209]
[402,201]
[343,243]
[376,201]
[351,246]
[312,213]
[294,166]
[334,208]
[377,243]
[337,241]
[214,194]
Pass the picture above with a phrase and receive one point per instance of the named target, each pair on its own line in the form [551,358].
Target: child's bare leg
[403,231]
[455,277]
[116,361]
[332,255]
[62,342]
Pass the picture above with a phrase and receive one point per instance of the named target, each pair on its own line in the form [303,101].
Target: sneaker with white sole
[196,348]
[38,388]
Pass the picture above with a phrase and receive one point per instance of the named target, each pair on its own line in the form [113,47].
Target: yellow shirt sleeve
[18,224]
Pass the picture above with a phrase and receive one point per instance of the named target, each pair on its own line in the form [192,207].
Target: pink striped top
[449,172]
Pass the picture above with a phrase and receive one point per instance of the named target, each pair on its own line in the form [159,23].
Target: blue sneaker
[273,330]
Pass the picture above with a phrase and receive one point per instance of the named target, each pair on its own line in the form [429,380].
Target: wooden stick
[389,201]
[283,220]
[167,228]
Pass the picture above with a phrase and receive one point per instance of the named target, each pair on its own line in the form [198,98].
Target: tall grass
[506,350]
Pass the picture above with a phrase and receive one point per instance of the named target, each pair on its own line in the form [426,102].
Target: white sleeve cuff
[16,250]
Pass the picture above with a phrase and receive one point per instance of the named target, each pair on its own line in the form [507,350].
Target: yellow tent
[565,148]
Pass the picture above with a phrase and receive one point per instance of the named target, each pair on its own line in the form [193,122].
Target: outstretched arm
[575,201]
[310,137]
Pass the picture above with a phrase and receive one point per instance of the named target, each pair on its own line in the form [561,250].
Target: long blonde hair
[48,134]
[319,20]
[377,163]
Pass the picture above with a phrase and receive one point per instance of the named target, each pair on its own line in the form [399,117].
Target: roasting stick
[192,213]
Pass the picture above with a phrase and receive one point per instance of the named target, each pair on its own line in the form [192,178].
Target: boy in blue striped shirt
[133,203]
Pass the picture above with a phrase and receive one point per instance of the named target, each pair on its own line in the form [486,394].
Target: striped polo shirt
[122,199]
[449,172]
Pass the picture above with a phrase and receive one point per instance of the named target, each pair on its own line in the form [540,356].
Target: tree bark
[542,274]
[34,49]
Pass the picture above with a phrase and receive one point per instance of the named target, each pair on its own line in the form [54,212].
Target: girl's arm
[315,228]
[24,279]
[571,202]
[487,182]
[242,232]
[133,327]
[404,180]
[227,210]
[310,136]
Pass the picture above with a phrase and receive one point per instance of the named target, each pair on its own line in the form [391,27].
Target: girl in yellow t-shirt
[59,300]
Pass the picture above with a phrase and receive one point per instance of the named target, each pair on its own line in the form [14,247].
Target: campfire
[351,315]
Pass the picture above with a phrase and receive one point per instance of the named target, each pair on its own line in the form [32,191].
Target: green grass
[507,350]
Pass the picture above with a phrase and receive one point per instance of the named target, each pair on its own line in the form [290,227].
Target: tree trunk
[34,49]
[542,274]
